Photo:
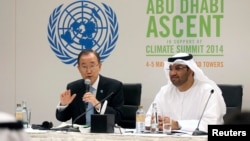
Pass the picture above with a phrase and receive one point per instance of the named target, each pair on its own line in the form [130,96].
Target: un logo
[82,25]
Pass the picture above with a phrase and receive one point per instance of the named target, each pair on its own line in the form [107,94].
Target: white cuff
[99,110]
[60,107]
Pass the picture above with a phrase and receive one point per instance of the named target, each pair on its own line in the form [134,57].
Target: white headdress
[187,59]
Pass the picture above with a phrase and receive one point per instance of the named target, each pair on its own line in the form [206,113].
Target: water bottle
[19,112]
[140,120]
[25,113]
[154,119]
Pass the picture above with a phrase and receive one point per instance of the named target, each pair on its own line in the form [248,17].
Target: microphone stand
[197,131]
[73,129]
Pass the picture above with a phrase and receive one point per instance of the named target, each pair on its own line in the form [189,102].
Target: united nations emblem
[82,25]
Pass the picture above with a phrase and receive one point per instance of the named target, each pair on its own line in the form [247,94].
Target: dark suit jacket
[105,87]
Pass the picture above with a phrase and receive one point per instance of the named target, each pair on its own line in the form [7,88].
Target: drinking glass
[167,125]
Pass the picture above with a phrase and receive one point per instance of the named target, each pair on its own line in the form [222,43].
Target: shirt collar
[95,85]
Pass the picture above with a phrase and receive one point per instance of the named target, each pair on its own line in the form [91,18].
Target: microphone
[87,85]
[76,129]
[197,132]
[87,89]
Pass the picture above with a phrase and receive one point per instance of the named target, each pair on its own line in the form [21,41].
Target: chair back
[233,98]
[132,99]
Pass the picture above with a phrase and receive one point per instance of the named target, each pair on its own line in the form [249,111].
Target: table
[76,136]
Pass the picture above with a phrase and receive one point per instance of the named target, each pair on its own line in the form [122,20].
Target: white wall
[7,56]
[31,71]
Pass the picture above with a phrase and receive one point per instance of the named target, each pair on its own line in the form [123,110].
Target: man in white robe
[188,93]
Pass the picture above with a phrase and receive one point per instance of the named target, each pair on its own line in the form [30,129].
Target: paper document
[104,106]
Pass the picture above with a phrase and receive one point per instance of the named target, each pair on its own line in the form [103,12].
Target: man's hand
[66,97]
[89,97]
[175,125]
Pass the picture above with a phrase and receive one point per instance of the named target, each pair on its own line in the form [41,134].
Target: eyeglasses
[91,67]
[177,68]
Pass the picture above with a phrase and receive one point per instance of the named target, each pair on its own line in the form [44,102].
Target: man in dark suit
[76,99]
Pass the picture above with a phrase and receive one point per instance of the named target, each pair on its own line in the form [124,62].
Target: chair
[233,98]
[132,99]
